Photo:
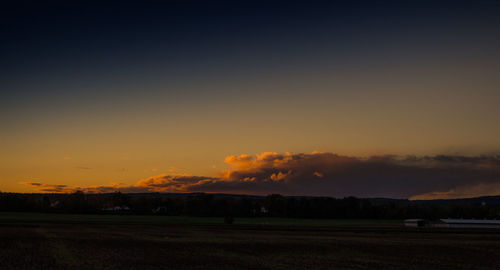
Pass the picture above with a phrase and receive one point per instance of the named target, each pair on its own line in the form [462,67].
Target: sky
[373,99]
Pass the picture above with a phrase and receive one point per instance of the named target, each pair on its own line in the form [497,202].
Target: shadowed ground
[120,242]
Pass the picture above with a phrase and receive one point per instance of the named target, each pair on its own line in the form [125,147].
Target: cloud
[466,191]
[172,183]
[113,187]
[318,174]
[31,184]
[335,175]
[48,187]
[329,174]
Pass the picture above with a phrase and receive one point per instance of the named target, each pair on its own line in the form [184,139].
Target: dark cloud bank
[328,174]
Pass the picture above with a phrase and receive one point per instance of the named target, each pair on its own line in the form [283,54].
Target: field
[52,241]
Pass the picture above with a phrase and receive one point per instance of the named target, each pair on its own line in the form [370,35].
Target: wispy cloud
[48,187]
[34,184]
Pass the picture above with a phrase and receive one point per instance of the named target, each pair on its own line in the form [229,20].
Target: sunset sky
[379,99]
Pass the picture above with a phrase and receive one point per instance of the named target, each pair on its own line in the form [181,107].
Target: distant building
[471,223]
[453,223]
[415,222]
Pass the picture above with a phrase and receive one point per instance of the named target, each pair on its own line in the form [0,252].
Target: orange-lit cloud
[171,183]
[329,174]
[466,191]
[318,174]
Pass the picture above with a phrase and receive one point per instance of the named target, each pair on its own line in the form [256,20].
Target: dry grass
[114,245]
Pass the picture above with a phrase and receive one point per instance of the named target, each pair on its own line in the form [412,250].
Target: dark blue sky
[127,36]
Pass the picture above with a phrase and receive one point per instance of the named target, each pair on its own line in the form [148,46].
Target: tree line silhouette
[210,205]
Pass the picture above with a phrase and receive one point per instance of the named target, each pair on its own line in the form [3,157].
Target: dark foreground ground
[38,241]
